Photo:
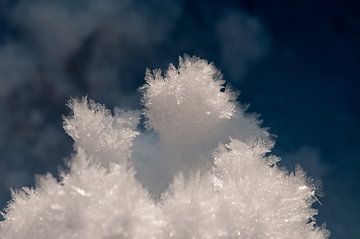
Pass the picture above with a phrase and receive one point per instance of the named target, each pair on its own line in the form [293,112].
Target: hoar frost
[202,169]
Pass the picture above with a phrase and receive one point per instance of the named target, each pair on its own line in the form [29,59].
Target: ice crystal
[225,182]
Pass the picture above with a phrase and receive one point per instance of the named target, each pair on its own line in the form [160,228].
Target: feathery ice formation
[201,169]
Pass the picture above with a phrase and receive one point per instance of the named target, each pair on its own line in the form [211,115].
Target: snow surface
[201,169]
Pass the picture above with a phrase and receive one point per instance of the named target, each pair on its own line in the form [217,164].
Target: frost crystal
[188,101]
[224,182]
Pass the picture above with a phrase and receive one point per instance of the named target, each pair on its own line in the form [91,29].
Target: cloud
[243,41]
[17,68]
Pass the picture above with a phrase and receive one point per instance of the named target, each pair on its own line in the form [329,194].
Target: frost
[101,135]
[224,182]
[191,105]
[188,101]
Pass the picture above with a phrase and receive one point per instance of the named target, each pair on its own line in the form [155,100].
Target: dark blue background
[296,63]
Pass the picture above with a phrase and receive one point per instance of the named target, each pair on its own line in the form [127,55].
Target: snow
[202,169]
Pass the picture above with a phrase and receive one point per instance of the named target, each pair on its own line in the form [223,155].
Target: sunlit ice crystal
[202,168]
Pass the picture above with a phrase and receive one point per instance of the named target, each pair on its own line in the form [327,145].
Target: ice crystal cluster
[200,168]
